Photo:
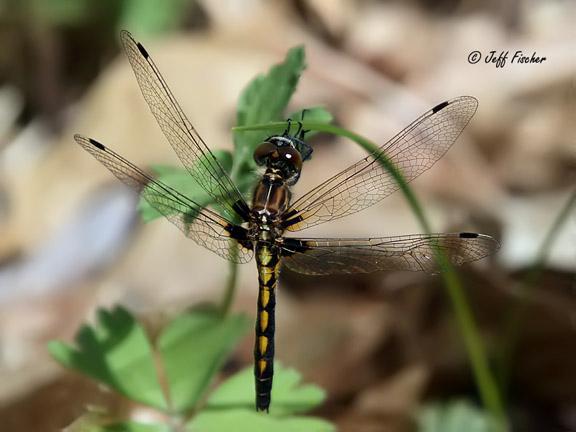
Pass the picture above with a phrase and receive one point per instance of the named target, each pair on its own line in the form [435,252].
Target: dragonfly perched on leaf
[263,222]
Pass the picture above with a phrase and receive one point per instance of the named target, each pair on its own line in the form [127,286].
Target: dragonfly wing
[183,137]
[412,151]
[205,227]
[365,255]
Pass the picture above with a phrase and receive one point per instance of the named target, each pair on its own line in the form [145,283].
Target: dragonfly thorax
[271,196]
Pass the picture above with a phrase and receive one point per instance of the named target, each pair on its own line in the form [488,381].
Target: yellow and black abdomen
[268,261]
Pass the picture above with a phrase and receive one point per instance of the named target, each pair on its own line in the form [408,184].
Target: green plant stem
[484,377]
[230,290]
[517,313]
[232,280]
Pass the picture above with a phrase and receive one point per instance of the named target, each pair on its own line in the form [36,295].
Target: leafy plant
[117,352]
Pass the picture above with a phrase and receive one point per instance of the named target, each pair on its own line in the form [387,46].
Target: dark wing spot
[440,106]
[96,144]
[142,50]
[468,235]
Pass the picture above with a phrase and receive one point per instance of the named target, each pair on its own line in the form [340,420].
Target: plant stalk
[230,289]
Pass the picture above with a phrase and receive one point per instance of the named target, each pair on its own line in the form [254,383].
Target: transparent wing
[366,255]
[205,227]
[184,139]
[412,151]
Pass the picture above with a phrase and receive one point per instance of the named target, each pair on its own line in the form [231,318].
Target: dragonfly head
[283,153]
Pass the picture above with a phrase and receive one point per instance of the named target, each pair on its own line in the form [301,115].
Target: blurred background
[71,239]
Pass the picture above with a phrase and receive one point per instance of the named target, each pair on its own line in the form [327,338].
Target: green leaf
[455,416]
[193,347]
[115,351]
[249,420]
[181,180]
[264,100]
[267,96]
[289,396]
[151,17]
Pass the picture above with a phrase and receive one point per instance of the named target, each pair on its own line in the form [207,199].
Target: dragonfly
[240,230]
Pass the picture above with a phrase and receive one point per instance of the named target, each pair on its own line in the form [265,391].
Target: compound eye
[291,157]
[263,152]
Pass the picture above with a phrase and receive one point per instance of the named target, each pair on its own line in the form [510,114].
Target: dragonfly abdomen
[268,261]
